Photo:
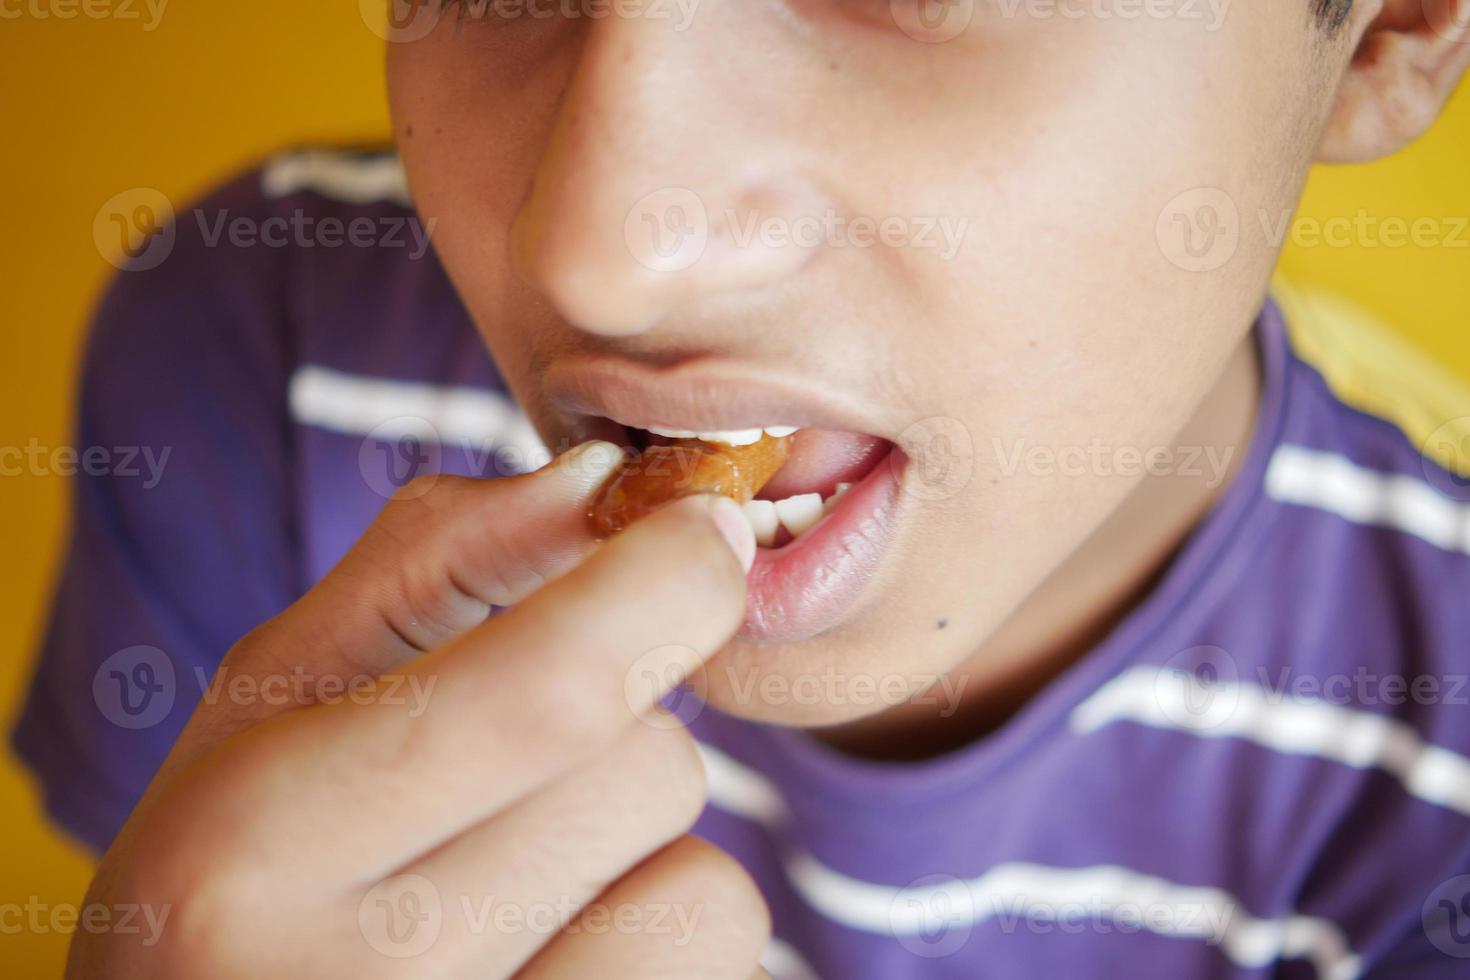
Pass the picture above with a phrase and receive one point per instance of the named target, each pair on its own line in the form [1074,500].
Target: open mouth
[823,515]
[820,468]
[820,520]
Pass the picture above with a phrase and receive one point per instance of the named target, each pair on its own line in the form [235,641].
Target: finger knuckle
[686,782]
[200,904]
[257,645]
[495,562]
[437,610]
[670,761]
[714,880]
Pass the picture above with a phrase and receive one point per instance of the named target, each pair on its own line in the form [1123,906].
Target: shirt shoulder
[1386,397]
[386,375]
[359,287]
[1372,473]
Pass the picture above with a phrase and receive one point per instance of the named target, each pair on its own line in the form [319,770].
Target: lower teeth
[797,514]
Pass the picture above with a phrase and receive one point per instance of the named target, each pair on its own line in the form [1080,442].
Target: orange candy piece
[662,474]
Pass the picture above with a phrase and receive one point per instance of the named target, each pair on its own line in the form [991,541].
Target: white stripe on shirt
[347,177]
[1333,483]
[1178,700]
[387,409]
[783,962]
[1013,892]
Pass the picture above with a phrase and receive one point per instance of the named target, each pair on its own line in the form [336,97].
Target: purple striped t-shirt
[1264,771]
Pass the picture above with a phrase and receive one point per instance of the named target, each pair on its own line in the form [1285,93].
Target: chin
[846,675]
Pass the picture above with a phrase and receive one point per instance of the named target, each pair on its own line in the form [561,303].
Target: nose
[663,182]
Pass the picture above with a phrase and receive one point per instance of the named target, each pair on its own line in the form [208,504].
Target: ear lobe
[1410,55]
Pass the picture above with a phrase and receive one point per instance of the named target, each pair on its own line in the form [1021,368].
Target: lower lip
[813,584]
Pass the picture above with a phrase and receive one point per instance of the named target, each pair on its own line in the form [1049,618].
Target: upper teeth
[797,514]
[735,437]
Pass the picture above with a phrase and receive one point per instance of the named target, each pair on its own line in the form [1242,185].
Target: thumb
[436,561]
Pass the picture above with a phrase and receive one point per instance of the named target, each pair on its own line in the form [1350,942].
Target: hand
[514,817]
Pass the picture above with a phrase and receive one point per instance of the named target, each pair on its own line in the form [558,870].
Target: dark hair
[1332,12]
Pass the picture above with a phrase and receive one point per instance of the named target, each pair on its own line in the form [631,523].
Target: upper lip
[702,395]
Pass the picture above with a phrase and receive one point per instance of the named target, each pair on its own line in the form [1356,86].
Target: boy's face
[1055,274]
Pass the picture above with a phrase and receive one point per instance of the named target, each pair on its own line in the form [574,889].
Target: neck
[1080,603]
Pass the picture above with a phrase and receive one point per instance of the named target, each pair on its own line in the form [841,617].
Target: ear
[1408,56]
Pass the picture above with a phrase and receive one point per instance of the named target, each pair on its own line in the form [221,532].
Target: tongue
[821,459]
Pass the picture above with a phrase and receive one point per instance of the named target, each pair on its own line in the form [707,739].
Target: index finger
[514,703]
[432,565]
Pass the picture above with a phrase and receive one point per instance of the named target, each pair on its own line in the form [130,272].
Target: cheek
[1110,179]
[473,107]
[1070,315]
[472,115]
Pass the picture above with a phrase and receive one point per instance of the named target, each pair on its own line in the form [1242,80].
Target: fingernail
[737,530]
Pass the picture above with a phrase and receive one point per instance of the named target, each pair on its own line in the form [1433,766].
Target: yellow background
[94,107]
